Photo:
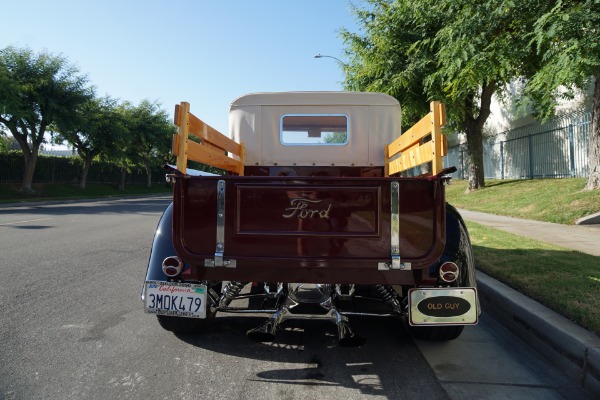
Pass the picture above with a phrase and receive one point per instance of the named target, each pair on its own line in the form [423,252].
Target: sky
[204,52]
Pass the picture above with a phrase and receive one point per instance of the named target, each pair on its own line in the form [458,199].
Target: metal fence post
[530,146]
[571,152]
[501,160]
[462,163]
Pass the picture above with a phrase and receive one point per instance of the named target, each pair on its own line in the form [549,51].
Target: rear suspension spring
[389,296]
[229,292]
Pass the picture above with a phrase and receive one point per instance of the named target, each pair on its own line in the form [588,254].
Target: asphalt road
[72,327]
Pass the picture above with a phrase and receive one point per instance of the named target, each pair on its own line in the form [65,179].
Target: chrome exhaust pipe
[267,331]
[347,337]
[344,292]
[273,290]
[264,333]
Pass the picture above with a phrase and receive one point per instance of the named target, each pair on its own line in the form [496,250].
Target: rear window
[314,129]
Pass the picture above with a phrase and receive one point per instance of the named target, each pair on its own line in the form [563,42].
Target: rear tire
[193,325]
[436,333]
[185,325]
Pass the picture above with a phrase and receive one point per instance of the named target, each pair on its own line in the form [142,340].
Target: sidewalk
[573,349]
[583,238]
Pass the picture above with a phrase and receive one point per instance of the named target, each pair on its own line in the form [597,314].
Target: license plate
[443,306]
[175,299]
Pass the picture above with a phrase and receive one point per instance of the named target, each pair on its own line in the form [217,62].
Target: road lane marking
[25,222]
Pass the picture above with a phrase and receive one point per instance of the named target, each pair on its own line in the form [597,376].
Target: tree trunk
[30,161]
[593,182]
[148,176]
[474,130]
[122,180]
[30,154]
[475,157]
[84,172]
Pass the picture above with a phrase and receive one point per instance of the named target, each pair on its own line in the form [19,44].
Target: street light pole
[335,58]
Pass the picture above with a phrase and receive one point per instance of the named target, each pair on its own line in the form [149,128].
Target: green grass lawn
[561,201]
[564,280]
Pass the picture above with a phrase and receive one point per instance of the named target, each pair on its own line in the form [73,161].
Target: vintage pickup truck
[311,219]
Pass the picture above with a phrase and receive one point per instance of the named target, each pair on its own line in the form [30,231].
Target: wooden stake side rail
[215,149]
[410,149]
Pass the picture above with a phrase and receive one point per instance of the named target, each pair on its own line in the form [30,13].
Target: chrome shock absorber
[390,297]
[229,292]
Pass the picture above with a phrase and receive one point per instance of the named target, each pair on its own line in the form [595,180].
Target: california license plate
[443,306]
[175,299]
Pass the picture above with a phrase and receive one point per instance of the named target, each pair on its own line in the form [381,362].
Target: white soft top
[374,120]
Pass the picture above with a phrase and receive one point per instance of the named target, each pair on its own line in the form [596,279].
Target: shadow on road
[306,353]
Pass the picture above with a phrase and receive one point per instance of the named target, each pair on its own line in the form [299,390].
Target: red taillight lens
[172,266]
[449,272]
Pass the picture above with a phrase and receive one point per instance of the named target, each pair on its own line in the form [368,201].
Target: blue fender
[162,247]
[458,247]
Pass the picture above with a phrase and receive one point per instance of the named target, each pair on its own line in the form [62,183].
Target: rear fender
[458,248]
[162,247]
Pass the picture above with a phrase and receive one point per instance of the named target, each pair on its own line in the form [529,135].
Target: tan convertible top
[374,120]
[314,98]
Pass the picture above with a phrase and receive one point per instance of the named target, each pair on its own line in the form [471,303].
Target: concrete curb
[83,200]
[589,220]
[573,349]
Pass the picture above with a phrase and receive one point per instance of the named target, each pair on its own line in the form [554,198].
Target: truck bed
[309,229]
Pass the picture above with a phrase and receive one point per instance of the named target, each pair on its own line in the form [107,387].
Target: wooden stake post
[411,150]
[214,148]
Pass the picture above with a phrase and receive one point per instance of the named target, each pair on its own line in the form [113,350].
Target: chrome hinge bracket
[219,260]
[395,263]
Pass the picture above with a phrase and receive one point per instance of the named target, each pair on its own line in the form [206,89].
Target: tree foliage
[42,93]
[96,128]
[567,36]
[336,137]
[152,131]
[8,143]
[459,52]
[37,91]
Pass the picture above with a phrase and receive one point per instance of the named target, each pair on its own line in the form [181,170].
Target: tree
[146,139]
[96,128]
[336,137]
[8,143]
[36,91]
[152,129]
[567,35]
[458,52]
[121,152]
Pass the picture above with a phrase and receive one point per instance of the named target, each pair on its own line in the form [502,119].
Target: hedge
[55,169]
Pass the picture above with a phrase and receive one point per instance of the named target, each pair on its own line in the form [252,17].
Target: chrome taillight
[172,266]
[449,272]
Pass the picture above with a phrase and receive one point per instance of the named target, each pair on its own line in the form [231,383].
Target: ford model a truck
[311,220]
